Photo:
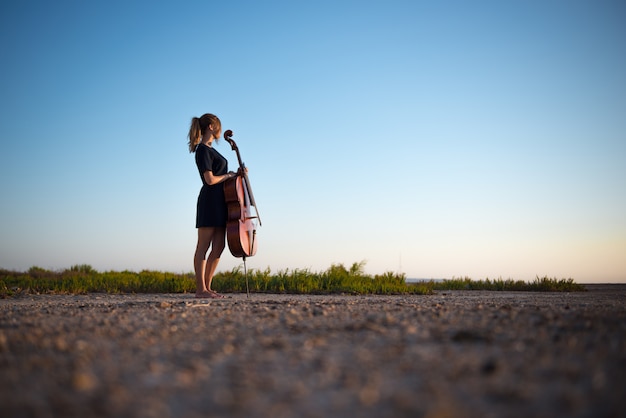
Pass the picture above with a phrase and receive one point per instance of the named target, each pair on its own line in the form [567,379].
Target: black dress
[211,209]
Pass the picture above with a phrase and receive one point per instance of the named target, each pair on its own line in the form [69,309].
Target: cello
[240,226]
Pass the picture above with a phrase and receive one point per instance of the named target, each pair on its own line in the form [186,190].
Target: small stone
[84,381]
[489,367]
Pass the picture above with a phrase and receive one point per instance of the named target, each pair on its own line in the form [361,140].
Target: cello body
[241,224]
[240,227]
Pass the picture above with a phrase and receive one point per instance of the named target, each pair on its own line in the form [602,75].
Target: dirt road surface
[452,354]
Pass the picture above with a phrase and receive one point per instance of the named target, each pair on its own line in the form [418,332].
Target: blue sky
[434,138]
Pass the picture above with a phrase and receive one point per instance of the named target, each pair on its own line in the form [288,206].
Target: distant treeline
[337,279]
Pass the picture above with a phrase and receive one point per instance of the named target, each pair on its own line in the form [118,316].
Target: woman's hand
[210,179]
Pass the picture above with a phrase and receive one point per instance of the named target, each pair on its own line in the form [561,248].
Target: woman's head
[199,127]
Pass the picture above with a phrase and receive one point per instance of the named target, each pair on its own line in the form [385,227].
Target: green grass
[81,279]
[544,284]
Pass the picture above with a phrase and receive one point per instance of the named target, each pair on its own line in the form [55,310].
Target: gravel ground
[452,354]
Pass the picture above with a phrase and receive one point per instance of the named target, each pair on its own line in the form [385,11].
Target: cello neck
[228,137]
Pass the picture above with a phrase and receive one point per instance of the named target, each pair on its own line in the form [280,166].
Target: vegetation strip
[336,279]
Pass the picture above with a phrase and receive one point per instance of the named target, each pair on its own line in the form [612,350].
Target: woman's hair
[198,126]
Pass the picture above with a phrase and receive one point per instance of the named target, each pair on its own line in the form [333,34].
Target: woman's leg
[218,244]
[205,268]
[205,235]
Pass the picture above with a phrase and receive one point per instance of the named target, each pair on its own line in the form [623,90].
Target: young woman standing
[211,212]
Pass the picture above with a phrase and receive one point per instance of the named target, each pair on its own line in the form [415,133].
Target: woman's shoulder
[203,149]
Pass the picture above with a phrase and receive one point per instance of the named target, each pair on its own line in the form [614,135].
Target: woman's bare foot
[204,295]
[217,295]
[209,294]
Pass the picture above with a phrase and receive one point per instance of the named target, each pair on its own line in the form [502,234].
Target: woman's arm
[210,179]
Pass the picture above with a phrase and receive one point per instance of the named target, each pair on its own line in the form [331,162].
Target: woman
[211,212]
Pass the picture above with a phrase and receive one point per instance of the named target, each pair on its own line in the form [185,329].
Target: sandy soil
[452,354]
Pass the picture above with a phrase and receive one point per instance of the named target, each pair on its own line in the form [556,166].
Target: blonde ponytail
[195,134]
[198,126]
